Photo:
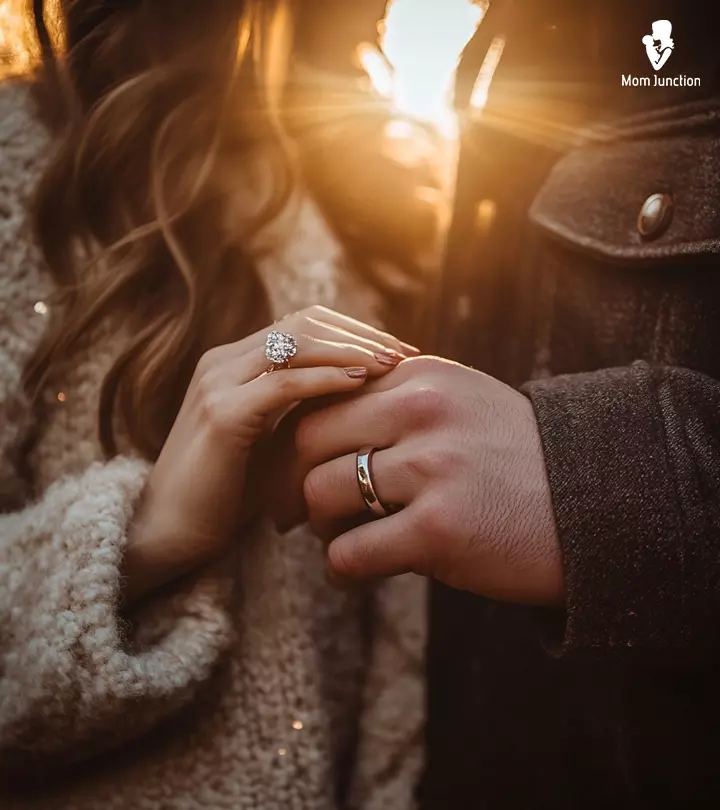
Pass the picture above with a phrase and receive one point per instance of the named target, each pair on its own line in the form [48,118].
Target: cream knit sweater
[255,686]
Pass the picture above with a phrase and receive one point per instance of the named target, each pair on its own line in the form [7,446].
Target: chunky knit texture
[252,686]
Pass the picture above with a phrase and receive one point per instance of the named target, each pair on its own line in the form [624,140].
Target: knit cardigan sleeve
[74,676]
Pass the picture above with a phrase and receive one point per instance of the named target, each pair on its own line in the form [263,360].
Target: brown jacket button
[655,216]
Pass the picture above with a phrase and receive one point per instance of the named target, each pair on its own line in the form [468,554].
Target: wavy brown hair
[160,111]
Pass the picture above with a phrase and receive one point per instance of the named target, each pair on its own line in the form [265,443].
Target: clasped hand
[457,451]
[460,453]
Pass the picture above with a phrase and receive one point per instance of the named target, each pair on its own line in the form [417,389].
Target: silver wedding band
[365,482]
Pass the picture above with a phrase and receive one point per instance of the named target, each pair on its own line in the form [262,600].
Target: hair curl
[155,106]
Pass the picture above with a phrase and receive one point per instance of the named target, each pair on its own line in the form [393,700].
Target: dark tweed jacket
[615,702]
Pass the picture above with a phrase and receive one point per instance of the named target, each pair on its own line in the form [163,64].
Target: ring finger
[315,351]
[303,327]
[332,492]
[361,330]
[311,353]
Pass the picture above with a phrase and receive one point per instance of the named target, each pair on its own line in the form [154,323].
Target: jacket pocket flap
[594,196]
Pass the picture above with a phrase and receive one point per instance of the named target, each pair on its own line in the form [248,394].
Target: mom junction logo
[659,46]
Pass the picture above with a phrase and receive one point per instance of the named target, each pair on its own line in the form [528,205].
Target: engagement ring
[280,348]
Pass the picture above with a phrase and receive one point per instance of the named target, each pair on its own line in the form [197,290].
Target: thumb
[386,547]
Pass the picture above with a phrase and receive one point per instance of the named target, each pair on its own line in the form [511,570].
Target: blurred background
[425,128]
[369,101]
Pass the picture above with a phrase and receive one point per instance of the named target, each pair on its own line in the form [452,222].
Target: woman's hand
[193,501]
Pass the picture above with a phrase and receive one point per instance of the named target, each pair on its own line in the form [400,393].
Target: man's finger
[383,548]
[344,427]
[388,408]
[332,490]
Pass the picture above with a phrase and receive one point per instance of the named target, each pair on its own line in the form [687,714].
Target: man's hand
[461,453]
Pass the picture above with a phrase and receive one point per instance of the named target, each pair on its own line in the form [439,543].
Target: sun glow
[14,55]
[423,40]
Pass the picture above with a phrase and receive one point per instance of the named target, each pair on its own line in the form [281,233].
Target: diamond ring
[280,348]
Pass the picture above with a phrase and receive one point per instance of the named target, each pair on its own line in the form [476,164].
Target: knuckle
[436,462]
[342,561]
[208,362]
[423,366]
[215,412]
[431,402]
[301,324]
[417,468]
[421,402]
[396,406]
[448,458]
[313,491]
[206,384]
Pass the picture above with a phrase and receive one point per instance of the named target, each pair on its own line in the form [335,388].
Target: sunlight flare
[422,40]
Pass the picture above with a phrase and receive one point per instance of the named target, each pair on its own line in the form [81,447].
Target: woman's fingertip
[389,358]
[356,372]
[410,350]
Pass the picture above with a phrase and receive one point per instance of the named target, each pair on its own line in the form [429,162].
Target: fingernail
[389,358]
[356,372]
[411,349]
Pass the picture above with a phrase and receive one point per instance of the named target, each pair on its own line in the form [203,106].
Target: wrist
[153,556]
[140,568]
